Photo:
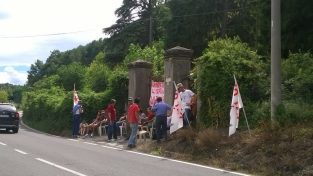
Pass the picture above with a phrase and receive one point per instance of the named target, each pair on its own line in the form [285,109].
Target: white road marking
[113,148]
[163,158]
[177,161]
[60,167]
[73,140]
[90,143]
[20,151]
[184,162]
[1,143]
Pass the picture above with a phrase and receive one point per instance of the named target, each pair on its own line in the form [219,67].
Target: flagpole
[244,112]
[184,108]
[243,108]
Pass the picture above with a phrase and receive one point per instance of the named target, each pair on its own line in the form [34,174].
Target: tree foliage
[70,75]
[297,77]
[153,54]
[34,74]
[214,72]
[4,96]
[97,74]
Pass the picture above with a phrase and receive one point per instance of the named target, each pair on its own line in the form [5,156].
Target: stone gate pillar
[177,68]
[139,85]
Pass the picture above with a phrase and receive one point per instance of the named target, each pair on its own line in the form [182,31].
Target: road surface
[30,153]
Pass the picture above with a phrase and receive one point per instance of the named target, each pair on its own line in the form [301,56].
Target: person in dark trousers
[112,128]
[161,110]
[77,111]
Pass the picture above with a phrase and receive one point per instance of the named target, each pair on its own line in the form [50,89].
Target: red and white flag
[236,105]
[75,97]
[177,113]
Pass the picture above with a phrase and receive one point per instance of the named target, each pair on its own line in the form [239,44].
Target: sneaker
[109,140]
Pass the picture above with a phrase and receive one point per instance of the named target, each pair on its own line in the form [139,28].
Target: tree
[153,54]
[133,26]
[214,78]
[97,74]
[3,96]
[35,72]
[70,75]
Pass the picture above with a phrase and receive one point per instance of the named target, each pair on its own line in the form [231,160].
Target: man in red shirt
[112,127]
[133,120]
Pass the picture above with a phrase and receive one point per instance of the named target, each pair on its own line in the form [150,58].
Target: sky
[31,29]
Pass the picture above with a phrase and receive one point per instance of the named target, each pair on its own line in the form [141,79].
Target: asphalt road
[30,153]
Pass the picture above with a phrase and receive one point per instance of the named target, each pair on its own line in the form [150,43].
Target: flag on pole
[177,113]
[75,97]
[236,105]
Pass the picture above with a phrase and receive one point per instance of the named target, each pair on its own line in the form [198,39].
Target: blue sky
[27,30]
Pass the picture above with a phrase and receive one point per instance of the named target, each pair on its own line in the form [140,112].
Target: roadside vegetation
[227,40]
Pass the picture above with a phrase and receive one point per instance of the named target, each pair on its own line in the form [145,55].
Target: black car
[9,117]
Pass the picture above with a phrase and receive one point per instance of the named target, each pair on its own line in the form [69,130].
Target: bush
[214,78]
[297,77]
[50,110]
[118,84]
[293,112]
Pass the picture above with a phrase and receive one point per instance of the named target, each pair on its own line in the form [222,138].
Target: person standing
[161,110]
[112,127]
[133,120]
[77,111]
[186,96]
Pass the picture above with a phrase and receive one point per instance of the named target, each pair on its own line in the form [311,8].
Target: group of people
[161,111]
[105,116]
[157,114]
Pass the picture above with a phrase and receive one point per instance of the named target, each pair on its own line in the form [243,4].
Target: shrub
[297,77]
[214,78]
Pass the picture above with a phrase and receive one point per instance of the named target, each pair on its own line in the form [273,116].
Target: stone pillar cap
[140,64]
[179,51]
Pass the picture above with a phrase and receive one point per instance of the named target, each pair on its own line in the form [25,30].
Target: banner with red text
[157,90]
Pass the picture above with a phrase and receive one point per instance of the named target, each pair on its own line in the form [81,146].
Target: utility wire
[44,35]
[139,20]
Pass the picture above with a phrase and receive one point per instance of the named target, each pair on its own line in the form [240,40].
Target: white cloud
[40,17]
[10,75]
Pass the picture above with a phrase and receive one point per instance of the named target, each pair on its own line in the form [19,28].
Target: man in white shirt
[186,96]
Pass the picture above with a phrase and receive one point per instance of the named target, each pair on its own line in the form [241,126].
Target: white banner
[177,114]
[236,104]
[157,90]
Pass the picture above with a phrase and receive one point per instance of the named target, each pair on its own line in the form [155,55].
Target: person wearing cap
[77,111]
[186,96]
[133,120]
[112,127]
[161,110]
